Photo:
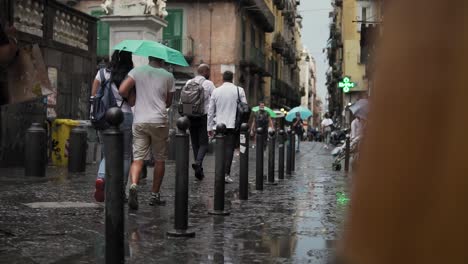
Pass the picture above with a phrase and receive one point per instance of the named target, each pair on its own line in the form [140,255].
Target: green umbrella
[155,49]
[269,111]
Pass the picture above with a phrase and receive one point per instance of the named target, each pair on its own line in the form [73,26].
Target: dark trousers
[199,137]
[230,144]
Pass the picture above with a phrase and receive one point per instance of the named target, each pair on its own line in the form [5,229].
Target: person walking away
[261,119]
[298,126]
[357,127]
[120,65]
[223,106]
[199,90]
[154,87]
[326,129]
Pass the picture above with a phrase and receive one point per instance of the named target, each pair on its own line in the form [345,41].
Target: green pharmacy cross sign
[346,84]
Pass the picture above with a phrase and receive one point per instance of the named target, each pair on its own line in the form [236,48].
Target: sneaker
[156,199]
[228,179]
[133,197]
[198,172]
[99,191]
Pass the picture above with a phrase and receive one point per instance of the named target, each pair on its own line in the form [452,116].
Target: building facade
[352,30]
[256,39]
[52,75]
[245,45]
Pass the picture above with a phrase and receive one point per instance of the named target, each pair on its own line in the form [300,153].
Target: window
[173,33]
[364,14]
[102,35]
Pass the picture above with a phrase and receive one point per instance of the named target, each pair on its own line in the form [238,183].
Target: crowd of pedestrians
[144,94]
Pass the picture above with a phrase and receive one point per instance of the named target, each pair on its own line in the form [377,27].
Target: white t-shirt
[125,107]
[152,88]
[208,87]
[357,128]
[223,105]
[327,122]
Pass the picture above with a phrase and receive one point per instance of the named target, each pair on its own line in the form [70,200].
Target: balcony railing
[50,23]
[258,57]
[253,56]
[182,44]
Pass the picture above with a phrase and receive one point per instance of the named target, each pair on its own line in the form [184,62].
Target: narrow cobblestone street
[297,221]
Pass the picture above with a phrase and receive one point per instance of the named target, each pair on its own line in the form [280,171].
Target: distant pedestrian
[154,92]
[311,132]
[261,120]
[223,108]
[199,90]
[116,71]
[327,124]
[298,127]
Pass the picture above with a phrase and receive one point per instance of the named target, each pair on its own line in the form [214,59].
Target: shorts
[147,136]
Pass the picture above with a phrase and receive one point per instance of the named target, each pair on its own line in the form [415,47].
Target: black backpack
[103,101]
[192,99]
[242,113]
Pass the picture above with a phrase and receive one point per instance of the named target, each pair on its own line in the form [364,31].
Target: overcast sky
[315,34]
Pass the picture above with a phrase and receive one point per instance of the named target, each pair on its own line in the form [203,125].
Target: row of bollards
[35,160]
[114,202]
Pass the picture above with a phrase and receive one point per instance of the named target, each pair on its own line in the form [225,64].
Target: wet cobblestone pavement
[296,221]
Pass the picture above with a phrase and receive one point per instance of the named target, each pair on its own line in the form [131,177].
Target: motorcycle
[338,136]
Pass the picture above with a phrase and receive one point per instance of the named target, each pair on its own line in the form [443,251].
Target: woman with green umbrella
[262,119]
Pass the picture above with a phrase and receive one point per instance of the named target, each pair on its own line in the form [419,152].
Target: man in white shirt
[326,129]
[357,127]
[223,106]
[198,124]
[154,91]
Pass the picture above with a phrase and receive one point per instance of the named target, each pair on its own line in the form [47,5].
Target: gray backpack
[192,99]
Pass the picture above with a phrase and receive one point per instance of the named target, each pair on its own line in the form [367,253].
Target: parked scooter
[338,136]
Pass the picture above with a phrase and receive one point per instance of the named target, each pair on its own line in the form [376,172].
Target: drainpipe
[210,8]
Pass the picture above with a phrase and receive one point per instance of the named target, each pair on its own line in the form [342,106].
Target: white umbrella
[360,108]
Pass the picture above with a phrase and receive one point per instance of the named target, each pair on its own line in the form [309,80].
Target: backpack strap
[238,95]
[104,82]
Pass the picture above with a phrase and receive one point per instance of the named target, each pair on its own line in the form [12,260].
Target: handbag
[242,113]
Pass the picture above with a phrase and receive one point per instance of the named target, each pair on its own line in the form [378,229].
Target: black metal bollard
[259,160]
[219,171]
[35,160]
[289,152]
[293,152]
[182,181]
[281,154]
[78,147]
[271,158]
[347,154]
[244,162]
[113,140]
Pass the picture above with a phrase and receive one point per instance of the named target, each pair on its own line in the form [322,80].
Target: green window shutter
[173,33]
[102,35]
